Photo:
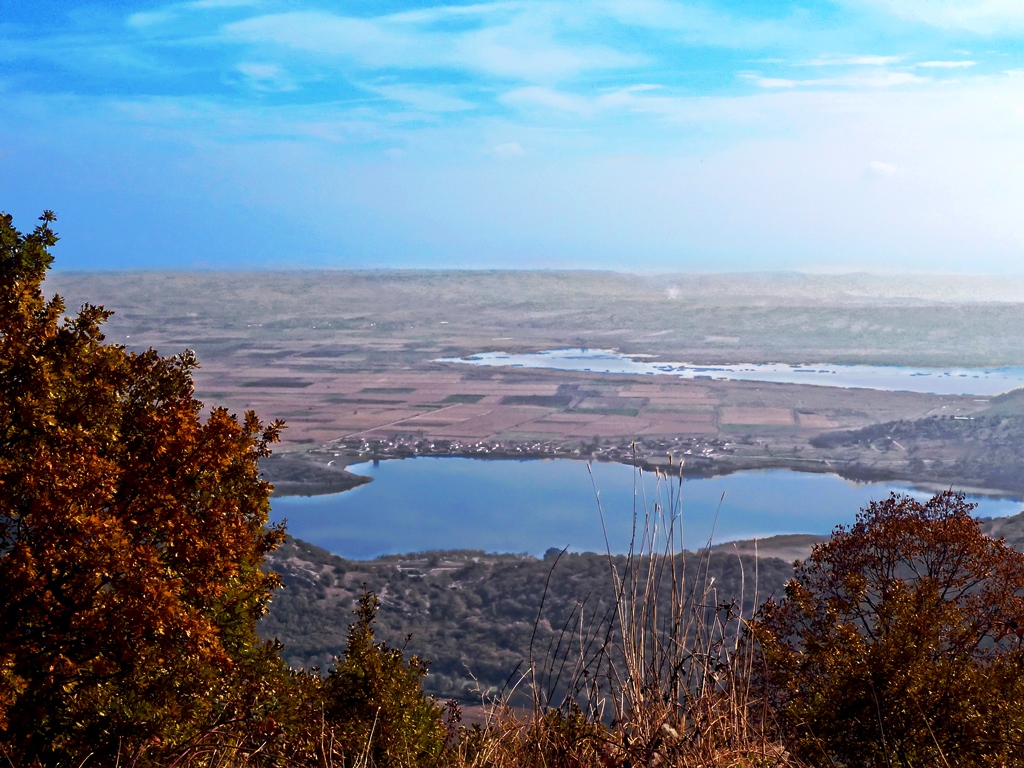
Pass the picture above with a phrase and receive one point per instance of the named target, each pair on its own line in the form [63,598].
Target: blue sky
[641,135]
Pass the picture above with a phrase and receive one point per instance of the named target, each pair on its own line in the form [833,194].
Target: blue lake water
[940,381]
[528,506]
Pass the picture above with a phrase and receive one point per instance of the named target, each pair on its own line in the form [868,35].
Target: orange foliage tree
[132,532]
[899,642]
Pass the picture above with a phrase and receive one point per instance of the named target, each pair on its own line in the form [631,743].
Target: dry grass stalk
[662,678]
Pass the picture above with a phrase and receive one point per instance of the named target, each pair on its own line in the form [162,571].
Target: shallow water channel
[529,506]
[938,381]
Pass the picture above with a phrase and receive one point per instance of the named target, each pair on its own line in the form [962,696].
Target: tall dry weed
[661,677]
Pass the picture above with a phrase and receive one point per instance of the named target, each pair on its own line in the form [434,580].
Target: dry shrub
[899,642]
[662,678]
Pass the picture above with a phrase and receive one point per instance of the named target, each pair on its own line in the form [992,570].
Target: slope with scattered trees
[473,615]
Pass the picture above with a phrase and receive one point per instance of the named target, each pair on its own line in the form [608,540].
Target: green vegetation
[468,399]
[285,382]
[982,450]
[472,614]
[374,697]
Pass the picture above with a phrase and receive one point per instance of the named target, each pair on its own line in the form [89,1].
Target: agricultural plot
[348,358]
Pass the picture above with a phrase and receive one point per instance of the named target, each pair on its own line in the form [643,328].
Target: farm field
[349,361]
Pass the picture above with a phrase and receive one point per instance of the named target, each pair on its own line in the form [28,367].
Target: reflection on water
[529,506]
[944,381]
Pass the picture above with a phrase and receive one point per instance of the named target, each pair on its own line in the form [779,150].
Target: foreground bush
[899,642]
[132,538]
[132,534]
[374,700]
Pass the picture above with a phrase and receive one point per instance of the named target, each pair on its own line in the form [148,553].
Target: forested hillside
[981,449]
[472,614]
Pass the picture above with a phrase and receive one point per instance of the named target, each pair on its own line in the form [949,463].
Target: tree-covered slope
[472,614]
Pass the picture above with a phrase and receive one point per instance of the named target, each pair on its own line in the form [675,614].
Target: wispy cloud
[986,17]
[959,64]
[707,25]
[520,47]
[175,11]
[854,61]
[266,77]
[423,99]
[857,81]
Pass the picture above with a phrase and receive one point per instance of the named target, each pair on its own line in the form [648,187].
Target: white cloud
[215,4]
[445,12]
[879,80]
[174,11]
[325,33]
[772,82]
[548,98]
[697,24]
[984,17]
[960,64]
[854,61]
[885,80]
[151,18]
[524,47]
[266,77]
[883,169]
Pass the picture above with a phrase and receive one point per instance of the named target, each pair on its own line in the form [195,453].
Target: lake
[529,506]
[939,381]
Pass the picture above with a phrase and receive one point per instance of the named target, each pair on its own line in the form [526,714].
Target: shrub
[899,642]
[132,534]
[375,703]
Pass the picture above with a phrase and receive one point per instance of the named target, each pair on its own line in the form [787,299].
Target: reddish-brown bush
[899,642]
[132,532]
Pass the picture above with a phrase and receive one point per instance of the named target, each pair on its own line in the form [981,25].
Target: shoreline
[692,467]
[856,375]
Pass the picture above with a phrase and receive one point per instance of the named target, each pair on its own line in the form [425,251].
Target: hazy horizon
[704,287]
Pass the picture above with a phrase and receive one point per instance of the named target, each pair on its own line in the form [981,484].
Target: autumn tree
[132,531]
[899,642]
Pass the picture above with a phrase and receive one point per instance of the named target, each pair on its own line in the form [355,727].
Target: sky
[632,135]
